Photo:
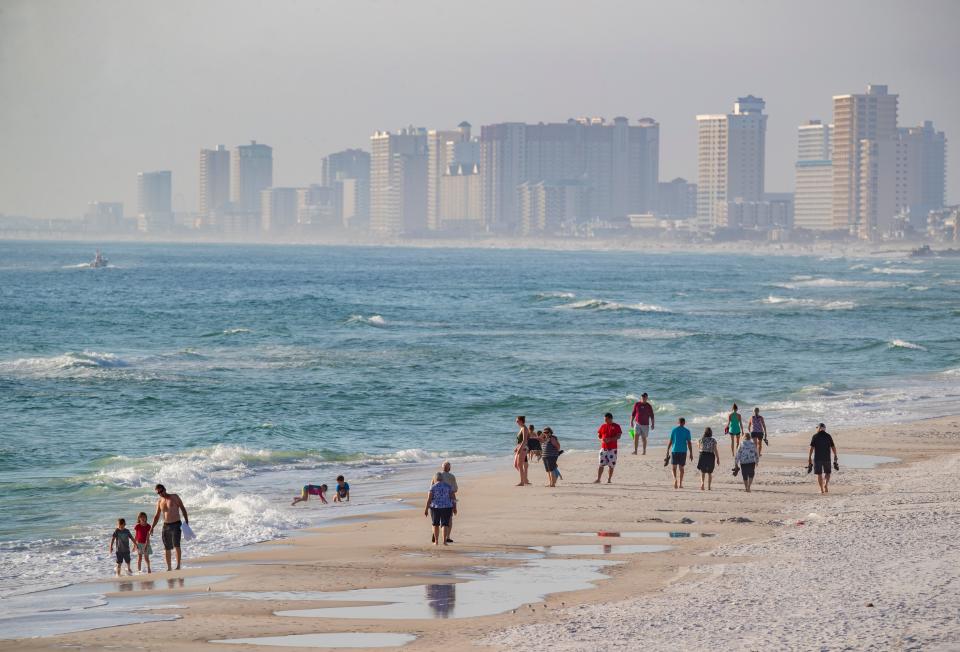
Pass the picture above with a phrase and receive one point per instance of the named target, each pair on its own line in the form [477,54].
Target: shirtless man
[171,506]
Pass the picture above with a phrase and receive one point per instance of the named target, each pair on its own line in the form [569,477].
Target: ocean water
[235,374]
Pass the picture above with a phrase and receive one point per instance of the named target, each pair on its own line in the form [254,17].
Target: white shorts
[642,430]
[608,458]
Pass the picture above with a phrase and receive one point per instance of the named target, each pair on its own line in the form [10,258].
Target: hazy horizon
[92,93]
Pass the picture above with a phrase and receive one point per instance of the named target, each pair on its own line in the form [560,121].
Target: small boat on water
[99,260]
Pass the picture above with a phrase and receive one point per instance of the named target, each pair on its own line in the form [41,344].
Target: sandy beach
[870,566]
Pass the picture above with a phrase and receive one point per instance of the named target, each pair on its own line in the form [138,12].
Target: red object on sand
[607,534]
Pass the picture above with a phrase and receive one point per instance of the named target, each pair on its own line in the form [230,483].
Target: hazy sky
[93,92]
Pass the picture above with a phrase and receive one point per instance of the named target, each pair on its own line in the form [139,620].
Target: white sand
[892,543]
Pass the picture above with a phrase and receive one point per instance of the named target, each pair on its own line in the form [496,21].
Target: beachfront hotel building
[251,172]
[730,160]
[813,199]
[616,162]
[278,209]
[862,126]
[154,201]
[398,182]
[214,193]
[347,173]
[446,148]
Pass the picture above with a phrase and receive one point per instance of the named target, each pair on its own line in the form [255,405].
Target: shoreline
[403,552]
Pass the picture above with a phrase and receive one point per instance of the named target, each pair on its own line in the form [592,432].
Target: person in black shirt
[818,460]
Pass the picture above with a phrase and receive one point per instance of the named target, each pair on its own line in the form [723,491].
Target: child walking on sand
[709,458]
[343,490]
[311,490]
[141,533]
[122,537]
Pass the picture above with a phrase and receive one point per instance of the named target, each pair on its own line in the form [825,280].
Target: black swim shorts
[441,516]
[123,557]
[679,459]
[748,470]
[171,535]
[821,466]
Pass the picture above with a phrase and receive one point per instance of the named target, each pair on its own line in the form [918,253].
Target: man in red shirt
[608,434]
[642,422]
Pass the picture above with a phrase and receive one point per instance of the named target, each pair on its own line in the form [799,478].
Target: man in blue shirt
[680,444]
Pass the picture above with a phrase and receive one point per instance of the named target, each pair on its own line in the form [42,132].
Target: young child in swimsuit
[343,490]
[122,538]
[311,490]
[141,535]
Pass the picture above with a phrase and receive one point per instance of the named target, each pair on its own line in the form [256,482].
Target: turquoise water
[235,374]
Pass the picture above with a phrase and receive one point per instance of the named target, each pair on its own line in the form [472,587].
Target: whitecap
[70,361]
[555,295]
[897,270]
[836,283]
[903,344]
[809,303]
[372,320]
[601,304]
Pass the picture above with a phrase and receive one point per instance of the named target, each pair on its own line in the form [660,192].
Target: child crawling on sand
[311,490]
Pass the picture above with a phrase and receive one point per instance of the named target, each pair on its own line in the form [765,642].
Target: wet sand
[493,588]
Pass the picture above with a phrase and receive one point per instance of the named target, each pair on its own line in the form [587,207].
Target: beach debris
[686,520]
[801,522]
[775,521]
[869,604]
[736,519]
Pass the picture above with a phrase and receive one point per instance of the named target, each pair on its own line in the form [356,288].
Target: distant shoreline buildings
[859,176]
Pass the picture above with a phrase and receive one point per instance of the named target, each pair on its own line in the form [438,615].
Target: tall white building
[398,182]
[154,210]
[214,181]
[813,199]
[441,154]
[731,151]
[860,122]
[251,172]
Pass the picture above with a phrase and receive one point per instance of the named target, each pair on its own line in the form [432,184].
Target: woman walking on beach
[734,429]
[441,506]
[747,458]
[758,430]
[520,462]
[709,458]
[551,452]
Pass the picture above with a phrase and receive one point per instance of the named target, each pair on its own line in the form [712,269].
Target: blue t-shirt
[681,437]
[441,496]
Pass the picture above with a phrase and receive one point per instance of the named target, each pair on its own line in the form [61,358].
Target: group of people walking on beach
[169,506]
[746,447]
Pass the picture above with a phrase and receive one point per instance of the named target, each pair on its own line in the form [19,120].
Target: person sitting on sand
[520,462]
[608,433]
[818,459]
[551,453]
[311,490]
[734,428]
[342,491]
[758,430]
[747,459]
[678,446]
[709,458]
[441,507]
[122,538]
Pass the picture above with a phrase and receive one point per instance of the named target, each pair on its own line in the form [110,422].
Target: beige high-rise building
[441,153]
[278,209]
[251,172]
[731,159]
[617,164]
[460,207]
[813,198]
[859,121]
[398,182]
[214,181]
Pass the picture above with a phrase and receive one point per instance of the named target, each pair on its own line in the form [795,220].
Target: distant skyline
[93,93]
